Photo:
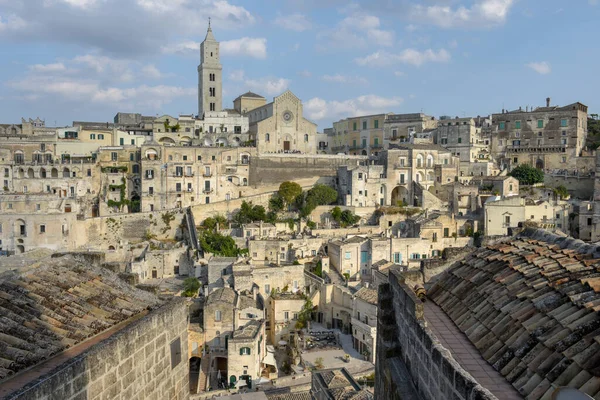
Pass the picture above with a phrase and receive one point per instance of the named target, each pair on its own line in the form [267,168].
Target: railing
[206,191]
[207,174]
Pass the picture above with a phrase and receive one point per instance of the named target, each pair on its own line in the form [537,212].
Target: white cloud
[542,67]
[407,56]
[319,109]
[246,46]
[356,30]
[150,71]
[270,86]
[339,78]
[12,23]
[54,67]
[117,68]
[305,73]
[237,75]
[296,22]
[83,4]
[482,13]
[411,28]
[593,2]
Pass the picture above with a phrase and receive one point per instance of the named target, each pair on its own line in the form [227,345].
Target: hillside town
[242,253]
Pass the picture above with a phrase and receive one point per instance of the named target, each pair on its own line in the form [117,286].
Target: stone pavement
[467,354]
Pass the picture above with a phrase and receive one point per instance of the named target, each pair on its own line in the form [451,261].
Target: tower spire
[209,34]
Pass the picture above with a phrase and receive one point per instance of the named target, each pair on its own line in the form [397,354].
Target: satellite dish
[565,393]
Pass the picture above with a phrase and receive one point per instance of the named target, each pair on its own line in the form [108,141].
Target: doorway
[286,145]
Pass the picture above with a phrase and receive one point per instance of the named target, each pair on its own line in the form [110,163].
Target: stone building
[219,272]
[284,308]
[280,127]
[246,352]
[402,128]
[364,322]
[547,138]
[465,319]
[180,176]
[362,186]
[503,216]
[351,257]
[247,102]
[336,384]
[209,76]
[219,319]
[462,136]
[358,135]
[119,363]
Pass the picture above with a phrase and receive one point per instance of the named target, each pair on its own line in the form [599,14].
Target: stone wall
[578,187]
[135,363]
[277,168]
[410,359]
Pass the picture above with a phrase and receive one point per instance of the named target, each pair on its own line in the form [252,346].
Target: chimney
[547,101]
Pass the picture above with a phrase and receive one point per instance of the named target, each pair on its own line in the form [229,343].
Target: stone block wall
[137,363]
[409,353]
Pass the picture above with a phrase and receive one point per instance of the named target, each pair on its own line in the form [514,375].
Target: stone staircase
[202,379]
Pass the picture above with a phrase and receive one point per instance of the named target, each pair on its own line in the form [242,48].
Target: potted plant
[347,358]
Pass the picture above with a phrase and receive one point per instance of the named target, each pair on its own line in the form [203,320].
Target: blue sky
[66,60]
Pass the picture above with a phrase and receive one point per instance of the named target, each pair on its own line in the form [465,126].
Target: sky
[86,60]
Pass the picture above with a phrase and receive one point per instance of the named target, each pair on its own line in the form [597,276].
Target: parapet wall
[409,354]
[137,362]
[274,168]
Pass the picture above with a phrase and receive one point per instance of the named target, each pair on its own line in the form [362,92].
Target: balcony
[207,174]
[376,146]
[207,190]
[189,174]
[541,148]
[400,166]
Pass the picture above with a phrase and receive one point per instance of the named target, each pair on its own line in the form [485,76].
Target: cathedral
[275,127]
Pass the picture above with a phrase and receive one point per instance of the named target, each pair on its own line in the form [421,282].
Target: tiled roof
[276,395]
[348,393]
[368,295]
[251,94]
[221,295]
[334,379]
[530,307]
[50,308]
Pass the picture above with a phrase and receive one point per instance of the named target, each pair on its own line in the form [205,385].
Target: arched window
[100,136]
[429,161]
[419,161]
[245,351]
[245,182]
[305,137]
[267,137]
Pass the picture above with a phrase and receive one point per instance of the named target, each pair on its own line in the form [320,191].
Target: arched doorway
[54,173]
[20,249]
[539,164]
[30,173]
[399,196]
[364,152]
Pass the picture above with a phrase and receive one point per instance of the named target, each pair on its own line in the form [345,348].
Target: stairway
[202,379]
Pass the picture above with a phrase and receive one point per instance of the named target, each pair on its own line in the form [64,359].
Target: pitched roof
[530,306]
[221,295]
[367,294]
[47,309]
[251,94]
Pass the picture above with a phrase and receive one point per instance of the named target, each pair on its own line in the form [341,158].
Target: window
[38,207]
[151,190]
[364,256]
[517,124]
[212,106]
[185,158]
[563,141]
[100,136]
[267,289]
[360,176]
[589,221]
[540,123]
[364,124]
[516,160]
[305,137]
[563,122]
[175,352]
[564,159]
[286,315]
[245,351]
[113,156]
[217,315]
[376,124]
[459,140]
[42,228]
[502,126]
[207,200]
[507,219]
[446,232]
[354,126]
[348,255]
[92,136]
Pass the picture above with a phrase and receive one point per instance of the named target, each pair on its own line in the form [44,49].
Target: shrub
[190,287]
[527,175]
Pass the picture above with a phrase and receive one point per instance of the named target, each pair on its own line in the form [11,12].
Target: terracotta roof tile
[531,308]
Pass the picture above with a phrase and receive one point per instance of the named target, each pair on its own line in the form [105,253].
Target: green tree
[305,314]
[527,175]
[336,214]
[289,191]
[209,223]
[317,196]
[250,213]
[348,218]
[276,203]
[190,287]
[214,242]
[561,192]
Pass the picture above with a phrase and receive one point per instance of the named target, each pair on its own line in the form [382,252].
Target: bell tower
[209,76]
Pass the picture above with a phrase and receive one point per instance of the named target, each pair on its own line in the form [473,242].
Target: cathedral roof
[251,94]
[209,34]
